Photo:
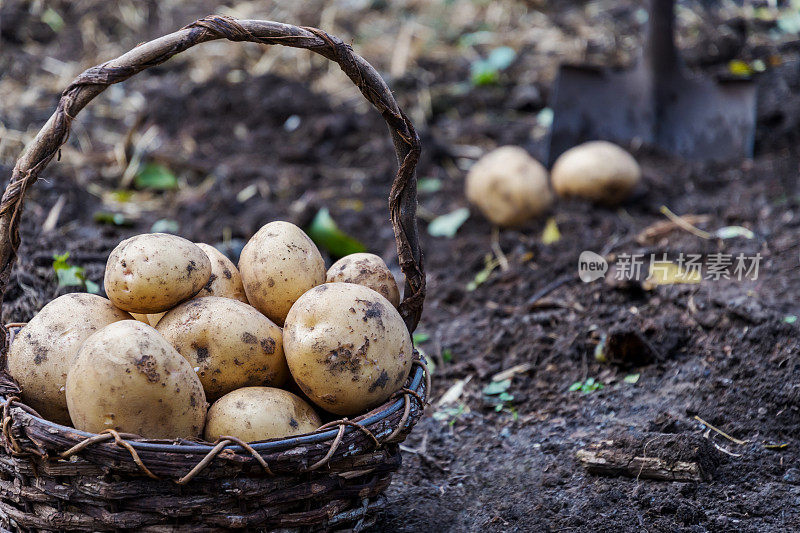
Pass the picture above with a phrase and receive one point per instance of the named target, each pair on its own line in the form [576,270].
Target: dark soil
[724,351]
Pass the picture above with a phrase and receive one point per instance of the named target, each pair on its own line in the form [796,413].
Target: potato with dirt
[227,342]
[368,270]
[260,413]
[225,280]
[598,171]
[347,347]
[154,272]
[508,186]
[44,349]
[128,378]
[278,264]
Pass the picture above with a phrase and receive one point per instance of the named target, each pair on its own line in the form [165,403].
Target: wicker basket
[54,477]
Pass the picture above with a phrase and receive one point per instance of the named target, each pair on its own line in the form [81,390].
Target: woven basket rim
[379,414]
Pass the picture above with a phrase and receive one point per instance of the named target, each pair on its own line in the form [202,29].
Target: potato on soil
[368,270]
[128,378]
[278,264]
[44,349]
[225,280]
[154,272]
[508,186]
[347,347]
[260,413]
[598,171]
[228,343]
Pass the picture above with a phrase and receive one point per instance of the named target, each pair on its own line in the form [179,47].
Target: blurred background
[228,136]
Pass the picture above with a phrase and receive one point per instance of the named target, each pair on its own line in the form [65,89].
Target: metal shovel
[657,102]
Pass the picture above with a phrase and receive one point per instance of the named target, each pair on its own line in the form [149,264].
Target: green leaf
[92,287]
[447,225]
[790,319]
[51,17]
[447,355]
[68,275]
[487,71]
[111,218]
[590,385]
[731,232]
[501,58]
[419,338]
[60,260]
[496,387]
[165,225]
[483,276]
[72,276]
[122,196]
[737,67]
[324,231]
[429,185]
[545,117]
[631,378]
[155,176]
[505,397]
[551,233]
[478,37]
[483,74]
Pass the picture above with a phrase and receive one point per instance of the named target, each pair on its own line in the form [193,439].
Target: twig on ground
[51,221]
[498,252]
[683,224]
[720,432]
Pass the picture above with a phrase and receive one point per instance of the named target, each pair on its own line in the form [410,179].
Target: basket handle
[93,81]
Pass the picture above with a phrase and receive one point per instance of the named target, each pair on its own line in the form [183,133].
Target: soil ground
[229,118]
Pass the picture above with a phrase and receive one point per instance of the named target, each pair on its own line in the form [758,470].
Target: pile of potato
[510,187]
[182,326]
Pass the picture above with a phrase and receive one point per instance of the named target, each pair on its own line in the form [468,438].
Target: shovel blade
[696,118]
[705,120]
[590,104]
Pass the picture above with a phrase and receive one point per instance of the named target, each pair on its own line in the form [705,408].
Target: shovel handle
[660,51]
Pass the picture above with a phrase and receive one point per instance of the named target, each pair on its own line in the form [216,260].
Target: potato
[225,280]
[128,378]
[140,317]
[508,186]
[278,264]
[368,270]
[260,413]
[347,347]
[154,272]
[598,171]
[149,319]
[227,342]
[44,349]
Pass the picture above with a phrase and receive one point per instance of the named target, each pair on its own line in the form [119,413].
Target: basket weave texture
[55,477]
